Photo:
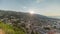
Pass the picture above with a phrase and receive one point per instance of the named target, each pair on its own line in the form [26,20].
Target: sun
[31,12]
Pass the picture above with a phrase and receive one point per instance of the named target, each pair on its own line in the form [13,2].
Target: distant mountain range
[58,17]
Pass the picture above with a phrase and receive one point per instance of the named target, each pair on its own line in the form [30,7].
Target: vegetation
[8,29]
[20,23]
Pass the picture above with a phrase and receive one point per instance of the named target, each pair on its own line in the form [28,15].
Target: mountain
[27,22]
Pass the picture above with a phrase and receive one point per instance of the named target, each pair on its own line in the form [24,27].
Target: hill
[27,22]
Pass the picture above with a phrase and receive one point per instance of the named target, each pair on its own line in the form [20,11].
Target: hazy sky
[44,7]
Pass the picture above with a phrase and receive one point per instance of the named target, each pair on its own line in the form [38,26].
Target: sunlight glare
[31,12]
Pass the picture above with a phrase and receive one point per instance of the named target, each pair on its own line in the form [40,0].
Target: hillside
[8,29]
[26,22]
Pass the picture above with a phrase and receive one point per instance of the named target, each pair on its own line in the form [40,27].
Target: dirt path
[2,32]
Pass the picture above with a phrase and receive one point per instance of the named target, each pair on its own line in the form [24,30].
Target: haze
[43,7]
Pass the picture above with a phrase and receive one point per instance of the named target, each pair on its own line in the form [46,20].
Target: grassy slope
[9,29]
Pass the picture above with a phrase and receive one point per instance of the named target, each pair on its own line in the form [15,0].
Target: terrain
[14,22]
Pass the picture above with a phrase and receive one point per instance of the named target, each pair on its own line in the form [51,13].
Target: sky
[43,7]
